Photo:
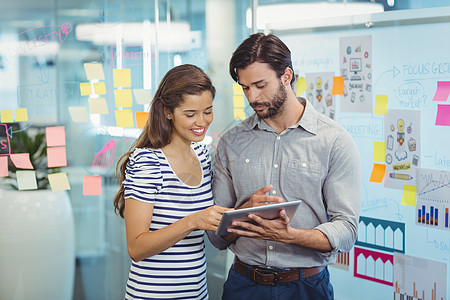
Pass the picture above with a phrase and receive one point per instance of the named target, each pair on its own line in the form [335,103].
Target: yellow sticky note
[94,71]
[26,180]
[6,116]
[123,98]
[300,86]
[79,114]
[21,114]
[379,151]
[59,181]
[338,85]
[237,89]
[381,102]
[238,101]
[124,118]
[409,195]
[122,77]
[377,173]
[142,96]
[85,88]
[56,157]
[141,119]
[239,114]
[99,88]
[98,106]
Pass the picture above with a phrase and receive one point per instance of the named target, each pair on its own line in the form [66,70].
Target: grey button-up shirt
[315,161]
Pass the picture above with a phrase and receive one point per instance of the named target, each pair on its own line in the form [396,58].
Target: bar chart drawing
[381,234]
[433,198]
[342,261]
[419,278]
[374,266]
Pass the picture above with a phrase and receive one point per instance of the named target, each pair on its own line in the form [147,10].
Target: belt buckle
[275,278]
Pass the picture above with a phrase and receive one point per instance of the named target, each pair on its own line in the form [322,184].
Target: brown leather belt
[268,277]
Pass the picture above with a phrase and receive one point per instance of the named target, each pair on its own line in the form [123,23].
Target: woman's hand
[209,218]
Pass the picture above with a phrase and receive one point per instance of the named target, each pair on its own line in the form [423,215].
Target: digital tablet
[270,211]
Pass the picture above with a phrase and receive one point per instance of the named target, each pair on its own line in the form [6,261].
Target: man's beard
[275,106]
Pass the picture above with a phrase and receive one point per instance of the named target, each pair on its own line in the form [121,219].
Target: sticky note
[59,181]
[442,91]
[56,157]
[122,78]
[56,136]
[98,106]
[6,116]
[338,85]
[123,98]
[238,101]
[142,96]
[85,88]
[377,173]
[21,160]
[94,71]
[99,88]
[21,114]
[239,114]
[409,195]
[124,118]
[237,89]
[3,166]
[26,180]
[443,115]
[141,119]
[379,151]
[381,102]
[300,86]
[79,114]
[92,185]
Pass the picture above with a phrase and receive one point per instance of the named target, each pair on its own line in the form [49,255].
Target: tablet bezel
[270,211]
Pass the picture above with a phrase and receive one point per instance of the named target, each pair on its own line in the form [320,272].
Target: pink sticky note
[377,173]
[92,185]
[56,157]
[443,115]
[3,166]
[56,136]
[22,160]
[338,85]
[442,91]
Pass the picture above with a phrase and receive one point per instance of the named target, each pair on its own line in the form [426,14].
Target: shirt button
[278,138]
[274,192]
[270,247]
[247,160]
[304,165]
[275,166]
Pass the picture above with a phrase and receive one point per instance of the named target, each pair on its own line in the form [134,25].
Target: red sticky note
[443,115]
[442,91]
[338,85]
[22,160]
[141,119]
[377,173]
[56,157]
[92,185]
[56,136]
[3,166]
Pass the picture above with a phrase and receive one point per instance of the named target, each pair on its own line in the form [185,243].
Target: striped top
[180,271]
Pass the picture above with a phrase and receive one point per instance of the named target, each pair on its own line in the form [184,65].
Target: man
[297,154]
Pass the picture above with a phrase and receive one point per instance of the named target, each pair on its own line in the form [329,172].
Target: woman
[165,195]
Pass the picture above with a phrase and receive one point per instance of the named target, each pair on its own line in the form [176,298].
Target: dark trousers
[316,287]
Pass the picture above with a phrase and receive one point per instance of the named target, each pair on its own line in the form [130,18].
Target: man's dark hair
[262,48]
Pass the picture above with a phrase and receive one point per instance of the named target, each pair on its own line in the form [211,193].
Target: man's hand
[259,198]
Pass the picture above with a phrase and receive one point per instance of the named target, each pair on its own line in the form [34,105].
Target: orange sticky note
[124,118]
[26,180]
[123,98]
[338,85]
[122,77]
[3,166]
[56,157]
[59,181]
[377,173]
[409,195]
[99,88]
[56,136]
[141,119]
[22,160]
[92,185]
[85,88]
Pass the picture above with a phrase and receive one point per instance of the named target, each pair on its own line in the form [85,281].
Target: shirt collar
[308,121]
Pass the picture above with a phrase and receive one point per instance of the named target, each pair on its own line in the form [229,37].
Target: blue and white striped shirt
[180,271]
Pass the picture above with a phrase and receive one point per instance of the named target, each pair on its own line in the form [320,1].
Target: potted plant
[37,230]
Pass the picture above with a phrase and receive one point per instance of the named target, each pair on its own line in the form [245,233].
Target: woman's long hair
[178,82]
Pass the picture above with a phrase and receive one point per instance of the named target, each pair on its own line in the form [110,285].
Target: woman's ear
[168,114]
